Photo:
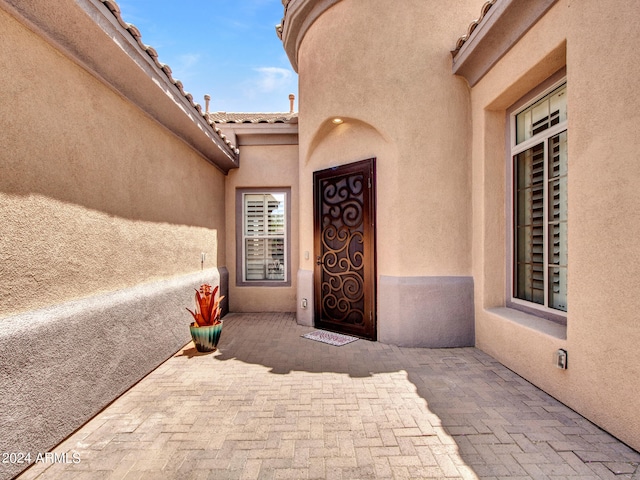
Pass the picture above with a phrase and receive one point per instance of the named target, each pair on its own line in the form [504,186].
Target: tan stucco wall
[390,78]
[600,48]
[94,194]
[263,166]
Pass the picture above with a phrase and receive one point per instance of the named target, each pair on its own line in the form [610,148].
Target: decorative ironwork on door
[345,240]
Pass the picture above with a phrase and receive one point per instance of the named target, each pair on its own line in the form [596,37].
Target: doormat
[331,338]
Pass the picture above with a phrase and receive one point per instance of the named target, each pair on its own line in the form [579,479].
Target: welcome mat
[331,338]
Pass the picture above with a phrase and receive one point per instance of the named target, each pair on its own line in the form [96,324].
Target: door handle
[319,260]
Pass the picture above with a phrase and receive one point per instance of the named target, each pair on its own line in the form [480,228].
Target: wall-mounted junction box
[561,359]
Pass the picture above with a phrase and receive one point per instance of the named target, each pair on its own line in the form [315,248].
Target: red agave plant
[207,306]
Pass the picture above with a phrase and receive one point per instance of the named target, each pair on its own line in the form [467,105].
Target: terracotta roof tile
[224,117]
[137,36]
[285,4]
[461,41]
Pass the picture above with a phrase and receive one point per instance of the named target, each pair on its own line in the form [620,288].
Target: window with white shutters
[539,155]
[264,236]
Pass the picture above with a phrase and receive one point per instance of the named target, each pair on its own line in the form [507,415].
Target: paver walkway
[270,404]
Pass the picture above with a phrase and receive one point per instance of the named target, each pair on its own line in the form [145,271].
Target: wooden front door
[345,273]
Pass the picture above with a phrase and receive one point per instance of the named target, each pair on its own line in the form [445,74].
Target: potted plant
[207,327]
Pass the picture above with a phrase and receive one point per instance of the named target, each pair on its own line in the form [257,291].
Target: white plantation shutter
[540,197]
[254,229]
[530,224]
[254,215]
[264,236]
[557,221]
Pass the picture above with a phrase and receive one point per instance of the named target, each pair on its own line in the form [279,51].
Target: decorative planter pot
[206,338]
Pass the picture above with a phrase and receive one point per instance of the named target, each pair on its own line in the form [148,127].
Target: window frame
[513,149]
[241,281]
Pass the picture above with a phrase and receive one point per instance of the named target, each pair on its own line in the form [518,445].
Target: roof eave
[93,36]
[247,134]
[500,27]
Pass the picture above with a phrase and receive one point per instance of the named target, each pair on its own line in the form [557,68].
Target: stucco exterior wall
[263,165]
[94,194]
[104,215]
[598,45]
[396,85]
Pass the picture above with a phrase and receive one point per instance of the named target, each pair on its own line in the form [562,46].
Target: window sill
[538,324]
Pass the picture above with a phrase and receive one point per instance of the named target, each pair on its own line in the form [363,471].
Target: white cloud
[273,78]
[190,59]
[185,67]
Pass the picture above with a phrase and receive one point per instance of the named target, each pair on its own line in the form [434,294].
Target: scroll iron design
[342,279]
[345,287]
[334,195]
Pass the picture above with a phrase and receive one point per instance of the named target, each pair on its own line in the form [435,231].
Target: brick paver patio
[270,404]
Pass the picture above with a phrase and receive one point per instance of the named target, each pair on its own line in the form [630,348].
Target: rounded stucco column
[385,68]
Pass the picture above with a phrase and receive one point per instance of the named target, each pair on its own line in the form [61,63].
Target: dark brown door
[345,276]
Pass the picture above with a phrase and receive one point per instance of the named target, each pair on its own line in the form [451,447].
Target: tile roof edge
[114,8]
[472,26]
[253,118]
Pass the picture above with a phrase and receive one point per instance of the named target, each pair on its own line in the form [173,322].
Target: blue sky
[225,48]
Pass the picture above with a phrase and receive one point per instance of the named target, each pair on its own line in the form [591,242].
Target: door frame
[368,168]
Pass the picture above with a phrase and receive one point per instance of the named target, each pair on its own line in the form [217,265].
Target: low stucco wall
[305,308]
[431,312]
[428,312]
[61,365]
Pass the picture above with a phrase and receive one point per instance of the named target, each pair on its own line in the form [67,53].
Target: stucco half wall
[432,312]
[429,312]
